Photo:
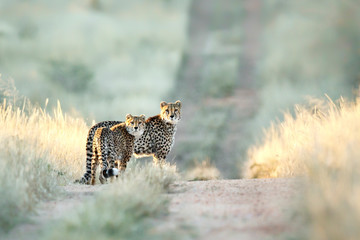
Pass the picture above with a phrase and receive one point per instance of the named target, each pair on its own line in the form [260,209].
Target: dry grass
[203,170]
[122,211]
[323,133]
[38,152]
[58,135]
[321,143]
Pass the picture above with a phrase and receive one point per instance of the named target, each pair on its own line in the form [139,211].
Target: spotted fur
[113,147]
[159,135]
[90,138]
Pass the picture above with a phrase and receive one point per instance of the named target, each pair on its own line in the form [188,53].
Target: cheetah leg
[117,166]
[112,166]
[123,162]
[94,163]
[159,159]
[103,159]
[122,166]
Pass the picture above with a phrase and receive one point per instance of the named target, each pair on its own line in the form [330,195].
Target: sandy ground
[235,209]
[217,209]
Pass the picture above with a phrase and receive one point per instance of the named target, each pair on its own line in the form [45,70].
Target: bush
[26,178]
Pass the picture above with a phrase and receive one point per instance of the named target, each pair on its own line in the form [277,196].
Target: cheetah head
[171,112]
[135,125]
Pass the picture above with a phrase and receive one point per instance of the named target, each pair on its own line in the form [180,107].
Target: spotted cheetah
[157,139]
[159,135]
[113,147]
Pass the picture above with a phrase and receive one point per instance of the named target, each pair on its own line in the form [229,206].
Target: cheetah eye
[132,123]
[175,110]
[167,111]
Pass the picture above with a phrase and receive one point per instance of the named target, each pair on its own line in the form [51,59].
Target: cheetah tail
[110,172]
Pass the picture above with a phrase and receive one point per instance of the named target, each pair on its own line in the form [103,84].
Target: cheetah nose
[172,116]
[135,128]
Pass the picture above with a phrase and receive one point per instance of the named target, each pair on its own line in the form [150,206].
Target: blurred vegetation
[73,77]
[203,171]
[93,53]
[219,77]
[307,43]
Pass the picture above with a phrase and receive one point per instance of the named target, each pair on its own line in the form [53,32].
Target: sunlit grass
[59,135]
[323,134]
[322,144]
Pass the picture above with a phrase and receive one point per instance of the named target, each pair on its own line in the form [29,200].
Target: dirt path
[218,209]
[236,209]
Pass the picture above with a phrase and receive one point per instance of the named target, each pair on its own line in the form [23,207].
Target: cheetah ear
[128,116]
[162,104]
[178,103]
[142,116]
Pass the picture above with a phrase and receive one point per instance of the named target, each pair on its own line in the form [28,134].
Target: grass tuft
[123,210]
[203,170]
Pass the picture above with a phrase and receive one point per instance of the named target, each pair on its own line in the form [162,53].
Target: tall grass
[56,134]
[38,152]
[123,210]
[323,133]
[321,143]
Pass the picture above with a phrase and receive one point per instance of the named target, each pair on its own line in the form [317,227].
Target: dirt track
[236,209]
[218,209]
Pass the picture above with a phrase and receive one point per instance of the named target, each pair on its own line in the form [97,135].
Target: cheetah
[113,148]
[159,134]
[157,139]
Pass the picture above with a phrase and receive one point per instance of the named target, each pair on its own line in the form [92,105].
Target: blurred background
[235,65]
